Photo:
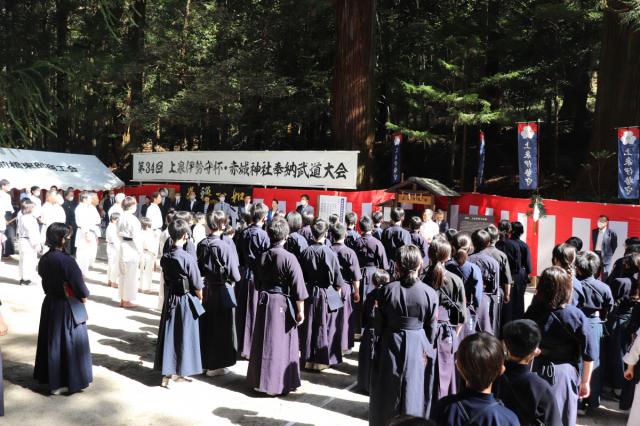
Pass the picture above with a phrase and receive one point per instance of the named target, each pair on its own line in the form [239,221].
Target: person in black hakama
[488,315]
[369,338]
[296,243]
[352,235]
[564,256]
[377,218]
[218,264]
[418,240]
[188,246]
[3,332]
[521,278]
[402,375]
[506,280]
[178,347]
[567,342]
[253,242]
[305,231]
[351,276]
[395,236]
[321,337]
[371,256]
[452,314]
[511,250]
[63,356]
[471,277]
[274,364]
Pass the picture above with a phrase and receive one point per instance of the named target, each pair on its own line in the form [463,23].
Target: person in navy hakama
[488,314]
[218,266]
[296,243]
[377,218]
[418,240]
[352,236]
[321,337]
[511,249]
[505,278]
[371,256]
[178,347]
[253,242]
[305,231]
[274,364]
[351,276]
[395,236]
[63,356]
[521,278]
[402,376]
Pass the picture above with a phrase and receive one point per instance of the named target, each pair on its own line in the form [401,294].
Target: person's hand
[628,373]
[585,390]
[356,297]
[299,318]
[507,298]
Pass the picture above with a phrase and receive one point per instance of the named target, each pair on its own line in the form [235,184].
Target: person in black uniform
[480,361]
[523,392]
[511,249]
[395,236]
[352,237]
[521,279]
[377,218]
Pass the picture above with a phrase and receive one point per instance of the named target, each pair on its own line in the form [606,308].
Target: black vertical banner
[396,165]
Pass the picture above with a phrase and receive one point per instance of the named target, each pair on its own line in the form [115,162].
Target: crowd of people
[445,333]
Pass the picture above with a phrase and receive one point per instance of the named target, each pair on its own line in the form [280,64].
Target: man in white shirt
[154,213]
[429,228]
[88,222]
[51,212]
[5,208]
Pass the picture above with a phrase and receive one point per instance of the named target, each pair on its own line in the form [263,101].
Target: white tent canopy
[24,169]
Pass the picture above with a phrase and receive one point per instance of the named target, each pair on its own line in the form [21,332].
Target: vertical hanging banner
[528,155]
[628,158]
[481,154]
[396,168]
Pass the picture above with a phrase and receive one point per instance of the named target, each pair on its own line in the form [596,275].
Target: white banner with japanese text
[307,169]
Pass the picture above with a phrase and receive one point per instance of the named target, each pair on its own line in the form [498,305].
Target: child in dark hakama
[521,279]
[351,276]
[371,256]
[505,278]
[395,236]
[305,231]
[418,240]
[480,361]
[321,338]
[369,338]
[218,266]
[452,314]
[178,347]
[402,374]
[488,315]
[352,236]
[597,305]
[3,332]
[377,217]
[296,243]
[511,250]
[63,356]
[471,277]
[274,364]
[253,242]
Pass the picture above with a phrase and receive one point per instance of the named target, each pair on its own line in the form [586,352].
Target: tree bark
[63,141]
[352,99]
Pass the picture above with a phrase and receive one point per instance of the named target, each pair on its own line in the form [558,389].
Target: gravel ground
[126,390]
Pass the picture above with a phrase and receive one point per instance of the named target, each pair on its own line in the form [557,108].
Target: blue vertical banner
[628,158]
[528,155]
[481,153]
[396,167]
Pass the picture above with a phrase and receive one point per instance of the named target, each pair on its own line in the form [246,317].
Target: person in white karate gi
[34,196]
[113,246]
[117,206]
[88,222]
[30,242]
[150,241]
[51,212]
[130,233]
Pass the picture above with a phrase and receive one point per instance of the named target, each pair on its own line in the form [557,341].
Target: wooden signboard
[415,198]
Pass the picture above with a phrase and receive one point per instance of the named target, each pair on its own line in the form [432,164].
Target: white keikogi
[30,244]
[51,213]
[130,233]
[154,213]
[88,222]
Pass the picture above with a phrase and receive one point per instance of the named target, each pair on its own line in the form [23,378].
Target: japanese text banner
[323,169]
[628,151]
[528,155]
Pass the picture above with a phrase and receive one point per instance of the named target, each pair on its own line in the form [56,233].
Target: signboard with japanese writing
[415,198]
[324,169]
[528,155]
[472,222]
[234,194]
[628,168]
[330,204]
[25,168]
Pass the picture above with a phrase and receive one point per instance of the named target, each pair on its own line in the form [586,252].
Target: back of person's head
[493,232]
[564,256]
[294,220]
[27,206]
[450,234]
[186,216]
[217,220]
[415,223]
[504,227]
[380,277]
[366,224]
[575,242]
[146,223]
[397,214]
[198,217]
[231,230]
[631,241]
[319,229]
[333,219]
[587,264]
[377,217]
[35,189]
[521,338]
[554,288]
[178,229]
[259,212]
[439,252]
[517,229]
[409,261]
[350,219]
[128,204]
[480,239]
[461,247]
[480,360]
[338,231]
[171,214]
[307,218]
[278,230]
[635,248]
[85,196]
[57,234]
[115,216]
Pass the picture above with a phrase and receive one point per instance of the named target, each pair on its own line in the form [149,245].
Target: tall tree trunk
[618,98]
[62,87]
[352,99]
